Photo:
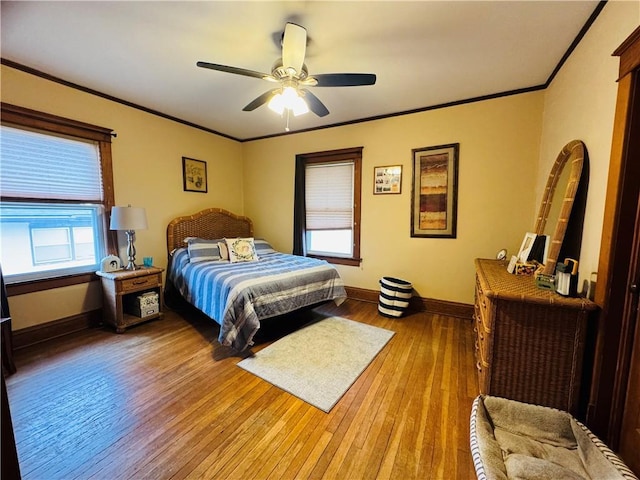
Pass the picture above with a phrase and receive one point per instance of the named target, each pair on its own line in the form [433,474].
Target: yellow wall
[147,168]
[498,155]
[580,104]
[507,146]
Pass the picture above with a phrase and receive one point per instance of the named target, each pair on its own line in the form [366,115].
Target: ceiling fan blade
[315,105]
[344,79]
[261,100]
[294,47]
[236,70]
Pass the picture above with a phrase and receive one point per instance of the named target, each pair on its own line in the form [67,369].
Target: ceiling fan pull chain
[286,128]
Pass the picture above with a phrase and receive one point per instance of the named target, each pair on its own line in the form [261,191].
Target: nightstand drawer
[135,284]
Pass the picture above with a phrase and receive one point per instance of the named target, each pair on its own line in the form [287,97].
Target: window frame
[20,117]
[333,156]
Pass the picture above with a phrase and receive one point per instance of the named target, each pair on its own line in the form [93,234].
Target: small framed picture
[387,179]
[525,248]
[194,175]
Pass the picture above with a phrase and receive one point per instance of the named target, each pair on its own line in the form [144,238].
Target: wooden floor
[165,400]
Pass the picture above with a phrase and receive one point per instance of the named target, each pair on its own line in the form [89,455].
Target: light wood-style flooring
[165,401]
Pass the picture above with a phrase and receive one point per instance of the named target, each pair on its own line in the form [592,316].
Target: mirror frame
[573,154]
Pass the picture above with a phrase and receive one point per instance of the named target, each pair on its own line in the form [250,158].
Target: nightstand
[121,290]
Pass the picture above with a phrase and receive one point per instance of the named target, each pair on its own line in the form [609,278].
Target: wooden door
[630,433]
[615,391]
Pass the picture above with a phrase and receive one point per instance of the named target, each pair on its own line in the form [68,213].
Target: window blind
[329,196]
[43,166]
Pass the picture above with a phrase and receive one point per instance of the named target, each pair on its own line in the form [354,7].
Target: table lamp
[129,219]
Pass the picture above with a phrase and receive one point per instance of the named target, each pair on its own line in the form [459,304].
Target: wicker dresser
[529,342]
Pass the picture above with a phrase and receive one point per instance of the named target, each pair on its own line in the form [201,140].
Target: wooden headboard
[211,223]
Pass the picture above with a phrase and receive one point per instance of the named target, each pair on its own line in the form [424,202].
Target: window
[327,205]
[56,187]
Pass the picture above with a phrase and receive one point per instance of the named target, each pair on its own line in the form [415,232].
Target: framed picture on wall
[194,175]
[387,180]
[434,195]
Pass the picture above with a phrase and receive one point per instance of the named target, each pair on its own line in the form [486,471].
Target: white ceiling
[424,53]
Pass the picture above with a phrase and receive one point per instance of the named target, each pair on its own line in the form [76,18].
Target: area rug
[319,362]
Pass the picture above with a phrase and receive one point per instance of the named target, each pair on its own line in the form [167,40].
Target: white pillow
[241,250]
[224,251]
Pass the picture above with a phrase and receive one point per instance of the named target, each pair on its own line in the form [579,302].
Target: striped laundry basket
[394,296]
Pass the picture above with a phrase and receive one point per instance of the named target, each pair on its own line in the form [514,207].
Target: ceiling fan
[291,74]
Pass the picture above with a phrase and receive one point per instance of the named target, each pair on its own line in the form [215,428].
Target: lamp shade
[128,218]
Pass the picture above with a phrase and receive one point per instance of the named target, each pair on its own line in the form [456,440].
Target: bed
[249,286]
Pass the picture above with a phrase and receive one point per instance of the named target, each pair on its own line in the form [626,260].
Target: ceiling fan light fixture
[289,99]
[300,107]
[276,104]
[292,74]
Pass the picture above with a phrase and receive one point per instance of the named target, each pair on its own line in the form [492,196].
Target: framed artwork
[387,180]
[434,199]
[194,175]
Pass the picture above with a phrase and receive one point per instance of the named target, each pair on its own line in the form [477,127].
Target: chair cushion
[511,439]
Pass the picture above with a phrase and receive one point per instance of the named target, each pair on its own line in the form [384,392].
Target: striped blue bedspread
[239,295]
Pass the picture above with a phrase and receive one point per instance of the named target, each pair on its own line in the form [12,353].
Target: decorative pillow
[241,250]
[201,250]
[224,251]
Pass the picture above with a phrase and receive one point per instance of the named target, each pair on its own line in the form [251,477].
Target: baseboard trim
[362,294]
[40,333]
[451,309]
[431,305]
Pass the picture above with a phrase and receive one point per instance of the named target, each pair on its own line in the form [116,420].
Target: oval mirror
[558,199]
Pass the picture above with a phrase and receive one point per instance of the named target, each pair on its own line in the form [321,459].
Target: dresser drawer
[483,345]
[483,365]
[482,377]
[483,306]
[135,284]
[483,338]
[476,342]
[481,350]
